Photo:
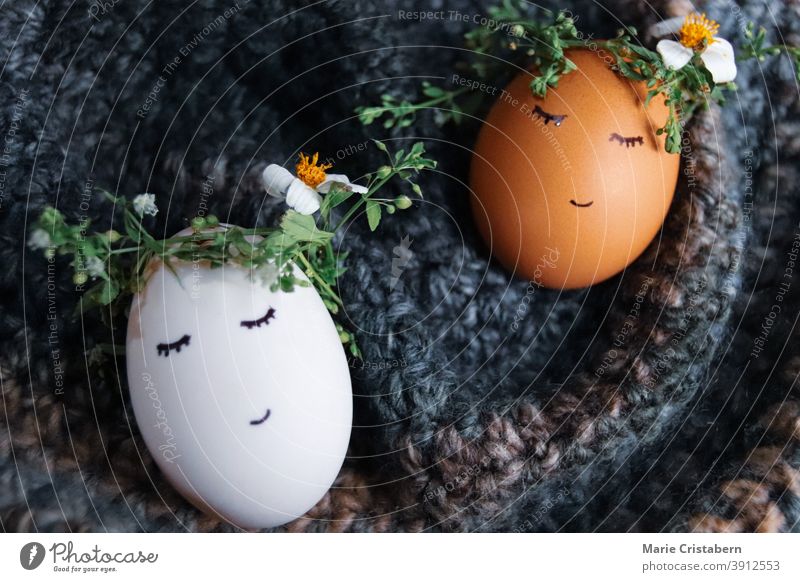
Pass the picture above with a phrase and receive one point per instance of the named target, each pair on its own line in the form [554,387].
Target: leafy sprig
[403,113]
[403,165]
[757,47]
[115,264]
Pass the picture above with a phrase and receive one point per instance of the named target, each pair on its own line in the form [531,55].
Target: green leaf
[539,86]
[109,292]
[280,242]
[629,71]
[287,284]
[245,247]
[102,293]
[303,228]
[643,52]
[334,198]
[417,150]
[650,95]
[373,214]
[432,91]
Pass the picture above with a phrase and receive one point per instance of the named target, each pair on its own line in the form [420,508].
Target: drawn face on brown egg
[569,190]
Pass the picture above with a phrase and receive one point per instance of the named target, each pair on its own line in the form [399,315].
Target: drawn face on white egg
[242,395]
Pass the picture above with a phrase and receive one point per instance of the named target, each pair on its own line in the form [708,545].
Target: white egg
[242,395]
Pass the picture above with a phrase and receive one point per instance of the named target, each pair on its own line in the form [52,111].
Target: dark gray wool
[484,425]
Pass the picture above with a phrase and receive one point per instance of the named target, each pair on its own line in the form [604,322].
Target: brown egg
[570,189]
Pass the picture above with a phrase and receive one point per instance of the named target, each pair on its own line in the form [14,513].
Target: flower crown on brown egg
[108,267]
[691,72]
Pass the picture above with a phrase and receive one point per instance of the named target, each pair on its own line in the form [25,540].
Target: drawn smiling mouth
[579,205]
[260,420]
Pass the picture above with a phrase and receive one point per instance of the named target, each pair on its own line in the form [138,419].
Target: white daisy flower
[95,267]
[39,239]
[302,192]
[145,204]
[696,35]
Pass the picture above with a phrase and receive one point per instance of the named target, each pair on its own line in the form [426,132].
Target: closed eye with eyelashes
[265,319]
[626,141]
[548,117]
[166,348]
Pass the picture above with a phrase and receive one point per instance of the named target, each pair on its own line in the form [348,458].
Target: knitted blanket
[662,399]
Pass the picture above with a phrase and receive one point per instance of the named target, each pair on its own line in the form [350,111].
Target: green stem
[319,279]
[210,235]
[448,96]
[353,209]
[581,43]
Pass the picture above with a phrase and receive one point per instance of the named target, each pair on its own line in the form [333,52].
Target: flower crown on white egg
[690,72]
[113,264]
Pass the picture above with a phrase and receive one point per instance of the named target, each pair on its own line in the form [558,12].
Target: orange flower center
[310,172]
[698,31]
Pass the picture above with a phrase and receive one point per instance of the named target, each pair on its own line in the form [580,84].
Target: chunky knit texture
[563,422]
